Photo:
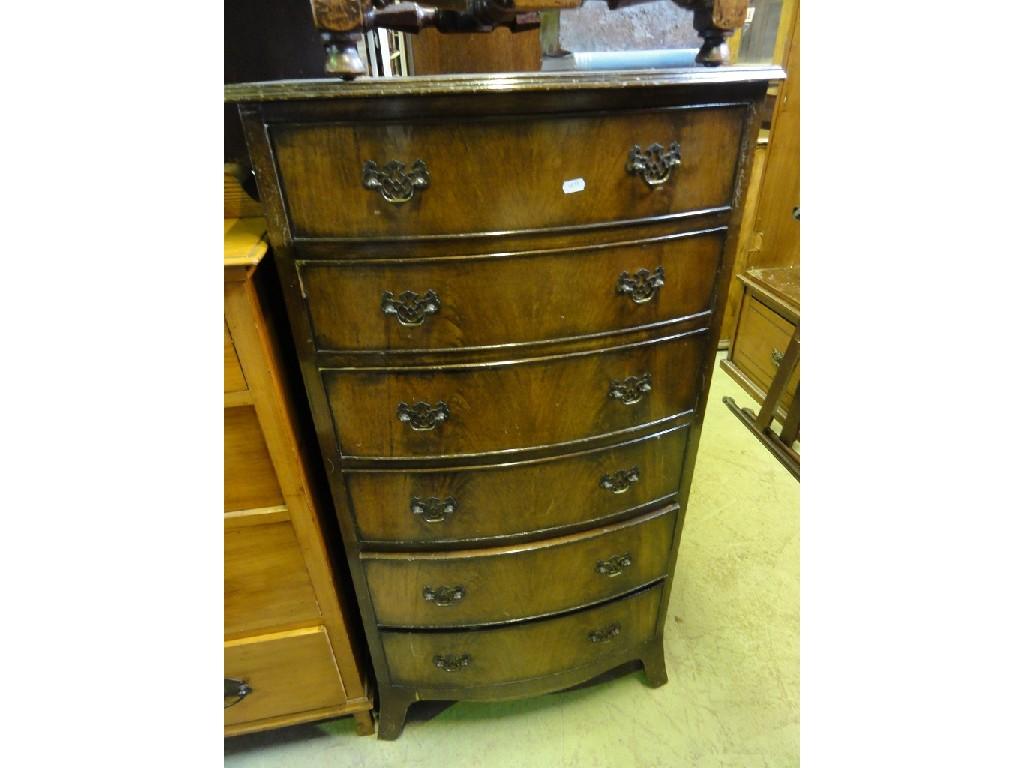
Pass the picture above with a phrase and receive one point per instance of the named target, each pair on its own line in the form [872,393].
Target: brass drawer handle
[655,163]
[423,416]
[451,663]
[443,596]
[606,634]
[235,689]
[642,286]
[394,184]
[776,357]
[433,509]
[631,389]
[619,482]
[409,307]
[614,566]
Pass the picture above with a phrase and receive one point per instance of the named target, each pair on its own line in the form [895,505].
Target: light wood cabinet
[289,655]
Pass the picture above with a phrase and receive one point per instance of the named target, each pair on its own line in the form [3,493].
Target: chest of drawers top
[461,156]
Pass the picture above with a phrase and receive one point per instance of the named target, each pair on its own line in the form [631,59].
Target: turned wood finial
[342,21]
[715,21]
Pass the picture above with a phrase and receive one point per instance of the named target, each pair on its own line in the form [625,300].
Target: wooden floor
[732,647]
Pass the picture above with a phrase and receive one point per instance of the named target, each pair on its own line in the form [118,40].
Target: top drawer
[492,175]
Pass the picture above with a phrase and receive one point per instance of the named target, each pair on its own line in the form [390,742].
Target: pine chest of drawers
[506,296]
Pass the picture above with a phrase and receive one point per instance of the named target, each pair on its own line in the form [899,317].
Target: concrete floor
[732,645]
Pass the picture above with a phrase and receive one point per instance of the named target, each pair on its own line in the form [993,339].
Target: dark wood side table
[764,358]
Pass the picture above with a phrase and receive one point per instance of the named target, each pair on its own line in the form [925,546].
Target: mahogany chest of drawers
[506,296]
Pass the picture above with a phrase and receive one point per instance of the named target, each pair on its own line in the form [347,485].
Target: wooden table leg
[791,428]
[786,368]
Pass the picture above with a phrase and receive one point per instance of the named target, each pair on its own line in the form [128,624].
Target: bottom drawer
[288,672]
[494,656]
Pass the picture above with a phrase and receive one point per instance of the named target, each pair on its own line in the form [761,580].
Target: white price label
[573,185]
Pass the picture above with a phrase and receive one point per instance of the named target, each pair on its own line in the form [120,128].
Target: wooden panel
[435,53]
[760,334]
[288,672]
[510,499]
[778,232]
[735,292]
[524,651]
[504,584]
[234,379]
[249,479]
[265,581]
[533,403]
[517,181]
[510,300]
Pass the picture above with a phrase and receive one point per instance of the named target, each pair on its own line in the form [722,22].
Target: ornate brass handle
[605,634]
[615,565]
[776,357]
[642,286]
[235,689]
[619,482]
[433,509]
[443,596]
[654,164]
[410,308]
[423,416]
[631,389]
[451,663]
[393,182]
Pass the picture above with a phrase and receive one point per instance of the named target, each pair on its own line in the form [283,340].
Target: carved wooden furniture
[288,657]
[341,22]
[505,294]
[764,358]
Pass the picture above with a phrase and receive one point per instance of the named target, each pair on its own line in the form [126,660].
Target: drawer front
[288,672]
[448,411]
[265,580]
[762,336]
[459,303]
[498,175]
[234,379]
[249,478]
[435,506]
[505,655]
[496,585]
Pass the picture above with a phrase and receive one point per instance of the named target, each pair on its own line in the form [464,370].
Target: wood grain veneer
[526,342]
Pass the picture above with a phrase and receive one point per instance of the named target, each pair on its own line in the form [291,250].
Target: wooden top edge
[782,284]
[334,88]
[245,242]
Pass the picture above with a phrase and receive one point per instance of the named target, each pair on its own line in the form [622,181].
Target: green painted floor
[732,645]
